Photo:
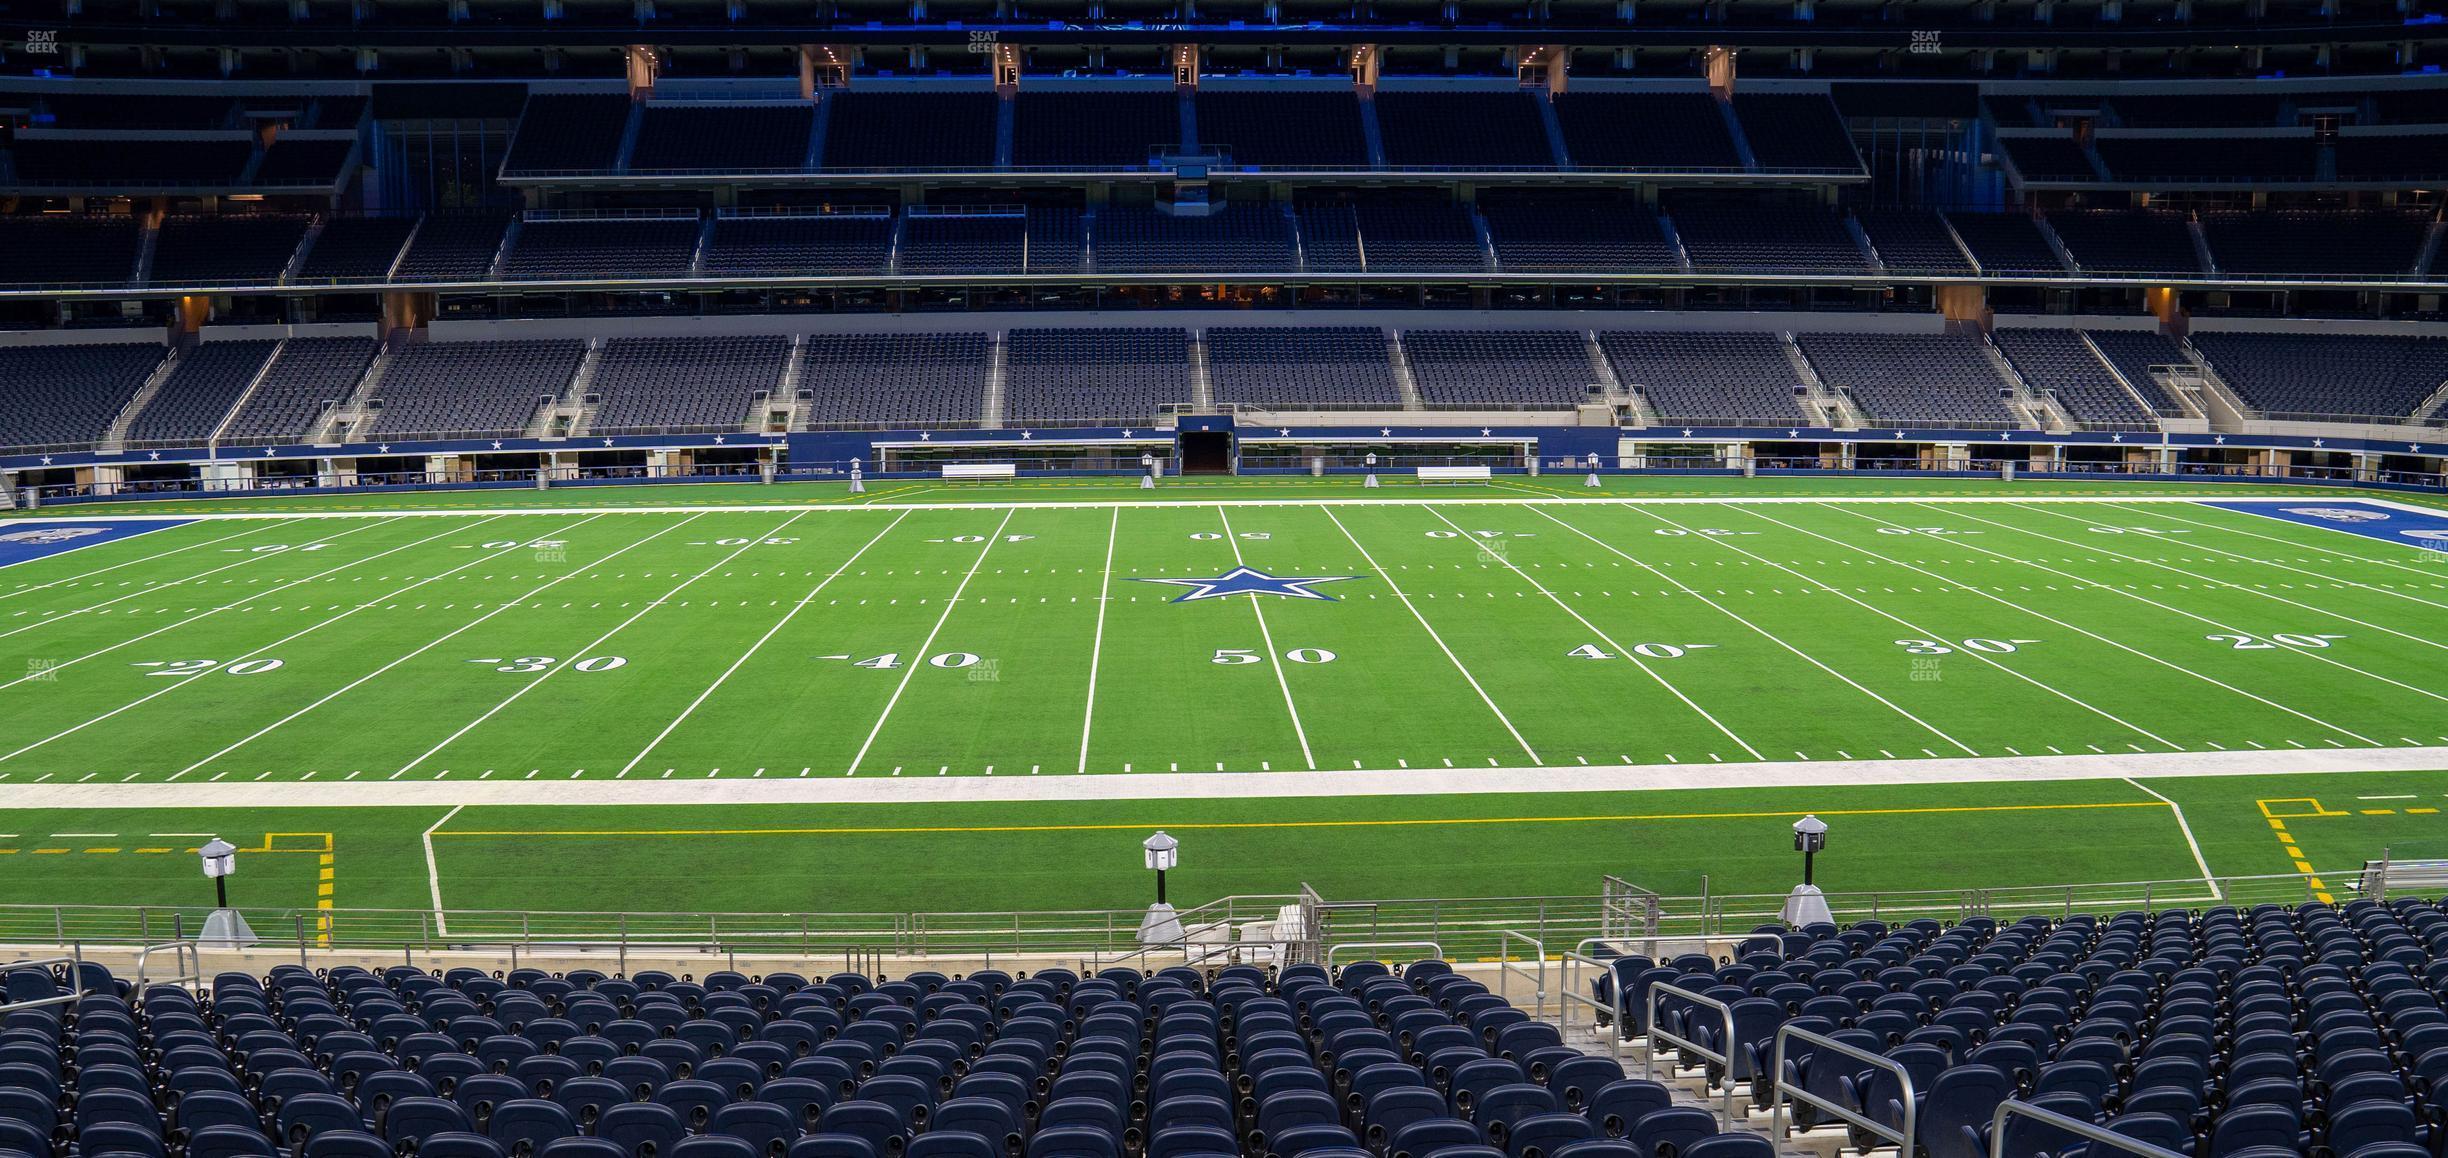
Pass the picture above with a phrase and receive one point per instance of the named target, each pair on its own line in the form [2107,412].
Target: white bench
[2402,877]
[980,470]
[1456,474]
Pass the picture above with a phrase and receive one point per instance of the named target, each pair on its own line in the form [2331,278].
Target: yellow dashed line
[91,851]
[51,851]
[2421,811]
[2379,812]
[157,850]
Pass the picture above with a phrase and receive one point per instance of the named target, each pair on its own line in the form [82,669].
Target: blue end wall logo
[24,542]
[2428,532]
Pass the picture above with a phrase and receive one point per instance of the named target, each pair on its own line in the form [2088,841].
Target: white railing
[1658,1036]
[2018,1108]
[1779,1128]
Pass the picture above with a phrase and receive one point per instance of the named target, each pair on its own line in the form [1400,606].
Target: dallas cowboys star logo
[1243,581]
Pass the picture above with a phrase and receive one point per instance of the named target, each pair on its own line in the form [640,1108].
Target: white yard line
[1620,649]
[759,645]
[65,616]
[1267,637]
[2307,653]
[2432,570]
[506,605]
[130,563]
[918,660]
[1227,786]
[241,601]
[1440,640]
[1908,625]
[1766,634]
[2186,827]
[2001,600]
[584,652]
[433,869]
[182,681]
[2198,545]
[1096,649]
[1568,500]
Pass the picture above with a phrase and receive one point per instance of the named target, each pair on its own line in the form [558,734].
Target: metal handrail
[182,954]
[2017,1107]
[1435,950]
[1506,969]
[1780,1128]
[76,980]
[1658,1034]
[1570,992]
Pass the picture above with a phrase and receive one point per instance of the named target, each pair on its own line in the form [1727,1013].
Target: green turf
[595,644]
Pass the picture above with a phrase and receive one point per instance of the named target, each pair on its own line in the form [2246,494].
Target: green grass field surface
[577,650]
[1083,855]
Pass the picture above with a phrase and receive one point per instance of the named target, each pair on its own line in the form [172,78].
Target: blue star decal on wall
[1243,581]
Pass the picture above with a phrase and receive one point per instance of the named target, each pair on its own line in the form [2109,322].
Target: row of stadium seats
[1126,129]
[1503,233]
[1177,1064]
[2226,159]
[265,391]
[2226,1033]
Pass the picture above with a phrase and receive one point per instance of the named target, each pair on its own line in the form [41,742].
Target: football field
[1419,692]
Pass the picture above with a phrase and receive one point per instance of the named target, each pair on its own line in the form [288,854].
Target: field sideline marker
[1420,822]
[1207,786]
[2186,827]
[1558,499]
[433,869]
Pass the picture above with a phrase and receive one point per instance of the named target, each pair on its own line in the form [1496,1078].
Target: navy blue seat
[229,1142]
[582,1148]
[642,1128]
[1425,1137]
[1667,1133]
[941,1143]
[714,1146]
[1073,1142]
[459,1144]
[1186,1141]
[1541,1135]
[347,1144]
[1619,1105]
[1730,1146]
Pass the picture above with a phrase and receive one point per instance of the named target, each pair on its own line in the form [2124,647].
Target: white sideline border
[1173,786]
[1529,498]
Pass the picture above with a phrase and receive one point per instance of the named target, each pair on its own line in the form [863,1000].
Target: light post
[1806,905]
[225,928]
[1592,480]
[1160,926]
[1371,460]
[1149,468]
